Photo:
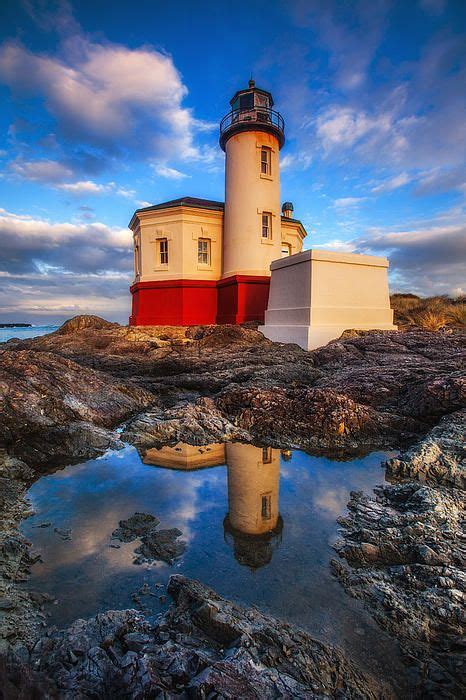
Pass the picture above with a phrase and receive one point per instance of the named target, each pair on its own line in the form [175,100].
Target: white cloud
[40,170]
[344,126]
[52,270]
[440,180]
[108,95]
[426,258]
[82,187]
[300,160]
[392,183]
[338,245]
[89,187]
[348,202]
[170,173]
[83,247]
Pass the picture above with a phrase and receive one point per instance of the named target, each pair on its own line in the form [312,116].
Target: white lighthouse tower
[251,135]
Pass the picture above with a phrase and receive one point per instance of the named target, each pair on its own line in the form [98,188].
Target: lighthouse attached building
[198,261]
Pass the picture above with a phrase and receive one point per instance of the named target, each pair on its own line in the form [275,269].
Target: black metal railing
[238,118]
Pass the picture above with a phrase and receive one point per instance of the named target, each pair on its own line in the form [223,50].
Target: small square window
[203,251]
[266,225]
[163,251]
[266,167]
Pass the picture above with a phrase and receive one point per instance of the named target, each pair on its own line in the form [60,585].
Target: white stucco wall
[316,295]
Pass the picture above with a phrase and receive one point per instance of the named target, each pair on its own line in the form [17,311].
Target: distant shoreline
[15,325]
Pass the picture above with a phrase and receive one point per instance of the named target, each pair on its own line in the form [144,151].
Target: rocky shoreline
[63,395]
[406,550]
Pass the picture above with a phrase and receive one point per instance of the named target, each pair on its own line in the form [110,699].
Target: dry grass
[457,314]
[430,313]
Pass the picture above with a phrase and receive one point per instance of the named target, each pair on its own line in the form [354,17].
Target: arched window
[286,250]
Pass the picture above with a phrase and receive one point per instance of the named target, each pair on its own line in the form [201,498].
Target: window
[286,250]
[266,455]
[266,225]
[203,251]
[136,258]
[163,251]
[246,101]
[266,168]
[266,506]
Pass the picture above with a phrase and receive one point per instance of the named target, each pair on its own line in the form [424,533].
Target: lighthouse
[251,135]
[199,261]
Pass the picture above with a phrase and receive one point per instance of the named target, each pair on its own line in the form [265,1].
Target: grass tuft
[429,313]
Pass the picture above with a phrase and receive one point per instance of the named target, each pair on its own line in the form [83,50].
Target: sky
[107,107]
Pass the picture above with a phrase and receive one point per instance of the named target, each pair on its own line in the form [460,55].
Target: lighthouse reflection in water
[253,524]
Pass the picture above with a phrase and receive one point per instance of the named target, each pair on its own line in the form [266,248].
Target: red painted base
[174,303]
[242,298]
[235,300]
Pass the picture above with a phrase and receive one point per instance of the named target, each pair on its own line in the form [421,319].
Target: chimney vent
[287,210]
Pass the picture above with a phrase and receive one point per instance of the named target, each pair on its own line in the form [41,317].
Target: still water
[259,525]
[23,333]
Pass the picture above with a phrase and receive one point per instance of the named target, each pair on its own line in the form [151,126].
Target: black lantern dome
[251,110]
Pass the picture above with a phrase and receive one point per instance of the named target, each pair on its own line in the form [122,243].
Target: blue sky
[111,106]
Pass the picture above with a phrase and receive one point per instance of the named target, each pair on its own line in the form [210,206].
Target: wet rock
[135,526]
[314,418]
[212,383]
[229,651]
[405,550]
[160,545]
[156,545]
[20,614]
[54,409]
[440,458]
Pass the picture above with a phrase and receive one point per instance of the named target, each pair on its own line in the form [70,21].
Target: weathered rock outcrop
[200,423]
[156,545]
[313,418]
[369,390]
[61,396]
[405,546]
[204,646]
[439,459]
[54,409]
[20,615]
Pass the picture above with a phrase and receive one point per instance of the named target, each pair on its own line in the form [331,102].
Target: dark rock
[160,545]
[135,526]
[120,654]
[156,545]
[405,547]
[440,458]
[54,409]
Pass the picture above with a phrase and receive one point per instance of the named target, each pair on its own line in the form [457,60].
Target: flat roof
[197,203]
[194,202]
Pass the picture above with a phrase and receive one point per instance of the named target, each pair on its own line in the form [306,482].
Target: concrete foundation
[316,295]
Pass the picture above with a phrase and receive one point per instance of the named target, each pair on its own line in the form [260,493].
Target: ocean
[22,333]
